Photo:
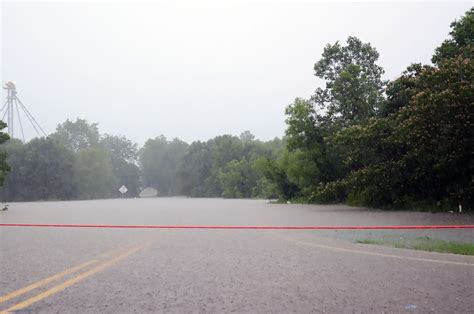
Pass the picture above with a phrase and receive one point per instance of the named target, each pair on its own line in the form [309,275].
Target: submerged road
[88,270]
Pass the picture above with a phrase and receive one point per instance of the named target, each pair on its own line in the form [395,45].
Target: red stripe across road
[237,227]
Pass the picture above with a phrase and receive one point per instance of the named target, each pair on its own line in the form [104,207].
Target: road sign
[123,189]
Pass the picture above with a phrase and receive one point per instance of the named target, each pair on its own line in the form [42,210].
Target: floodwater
[102,270]
[234,212]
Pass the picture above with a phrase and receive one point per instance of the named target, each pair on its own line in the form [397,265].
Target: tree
[42,169]
[120,148]
[224,149]
[273,170]
[195,169]
[77,135]
[462,35]
[237,179]
[437,128]
[4,168]
[353,93]
[246,137]
[418,152]
[304,128]
[227,166]
[437,124]
[354,85]
[310,160]
[401,91]
[94,173]
[159,160]
[123,155]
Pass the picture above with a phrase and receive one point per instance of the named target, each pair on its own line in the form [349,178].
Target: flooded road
[151,270]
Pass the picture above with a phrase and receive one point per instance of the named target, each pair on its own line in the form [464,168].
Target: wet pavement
[226,270]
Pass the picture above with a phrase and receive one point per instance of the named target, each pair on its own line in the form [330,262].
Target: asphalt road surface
[65,270]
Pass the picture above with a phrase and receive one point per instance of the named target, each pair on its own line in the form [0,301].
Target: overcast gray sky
[198,70]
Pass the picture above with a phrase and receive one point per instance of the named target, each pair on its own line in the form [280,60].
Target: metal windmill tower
[12,107]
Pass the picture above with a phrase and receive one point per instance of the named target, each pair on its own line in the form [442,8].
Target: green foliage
[71,164]
[77,135]
[194,170]
[274,171]
[400,91]
[159,161]
[404,144]
[412,149]
[424,244]
[354,88]
[330,192]
[437,129]
[4,167]
[41,169]
[237,179]
[303,128]
[119,148]
[123,155]
[224,149]
[462,35]
[353,93]
[228,166]
[95,177]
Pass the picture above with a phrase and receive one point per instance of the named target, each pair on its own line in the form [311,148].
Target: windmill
[12,108]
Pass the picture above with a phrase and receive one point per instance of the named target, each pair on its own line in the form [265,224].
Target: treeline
[407,143]
[404,144]
[77,162]
[73,163]
[225,166]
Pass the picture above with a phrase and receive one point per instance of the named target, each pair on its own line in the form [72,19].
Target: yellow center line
[339,249]
[73,280]
[54,277]
[45,281]
[60,275]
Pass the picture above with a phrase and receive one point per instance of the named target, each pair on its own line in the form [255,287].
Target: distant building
[149,192]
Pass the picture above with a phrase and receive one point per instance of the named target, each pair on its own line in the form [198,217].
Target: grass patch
[425,244]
